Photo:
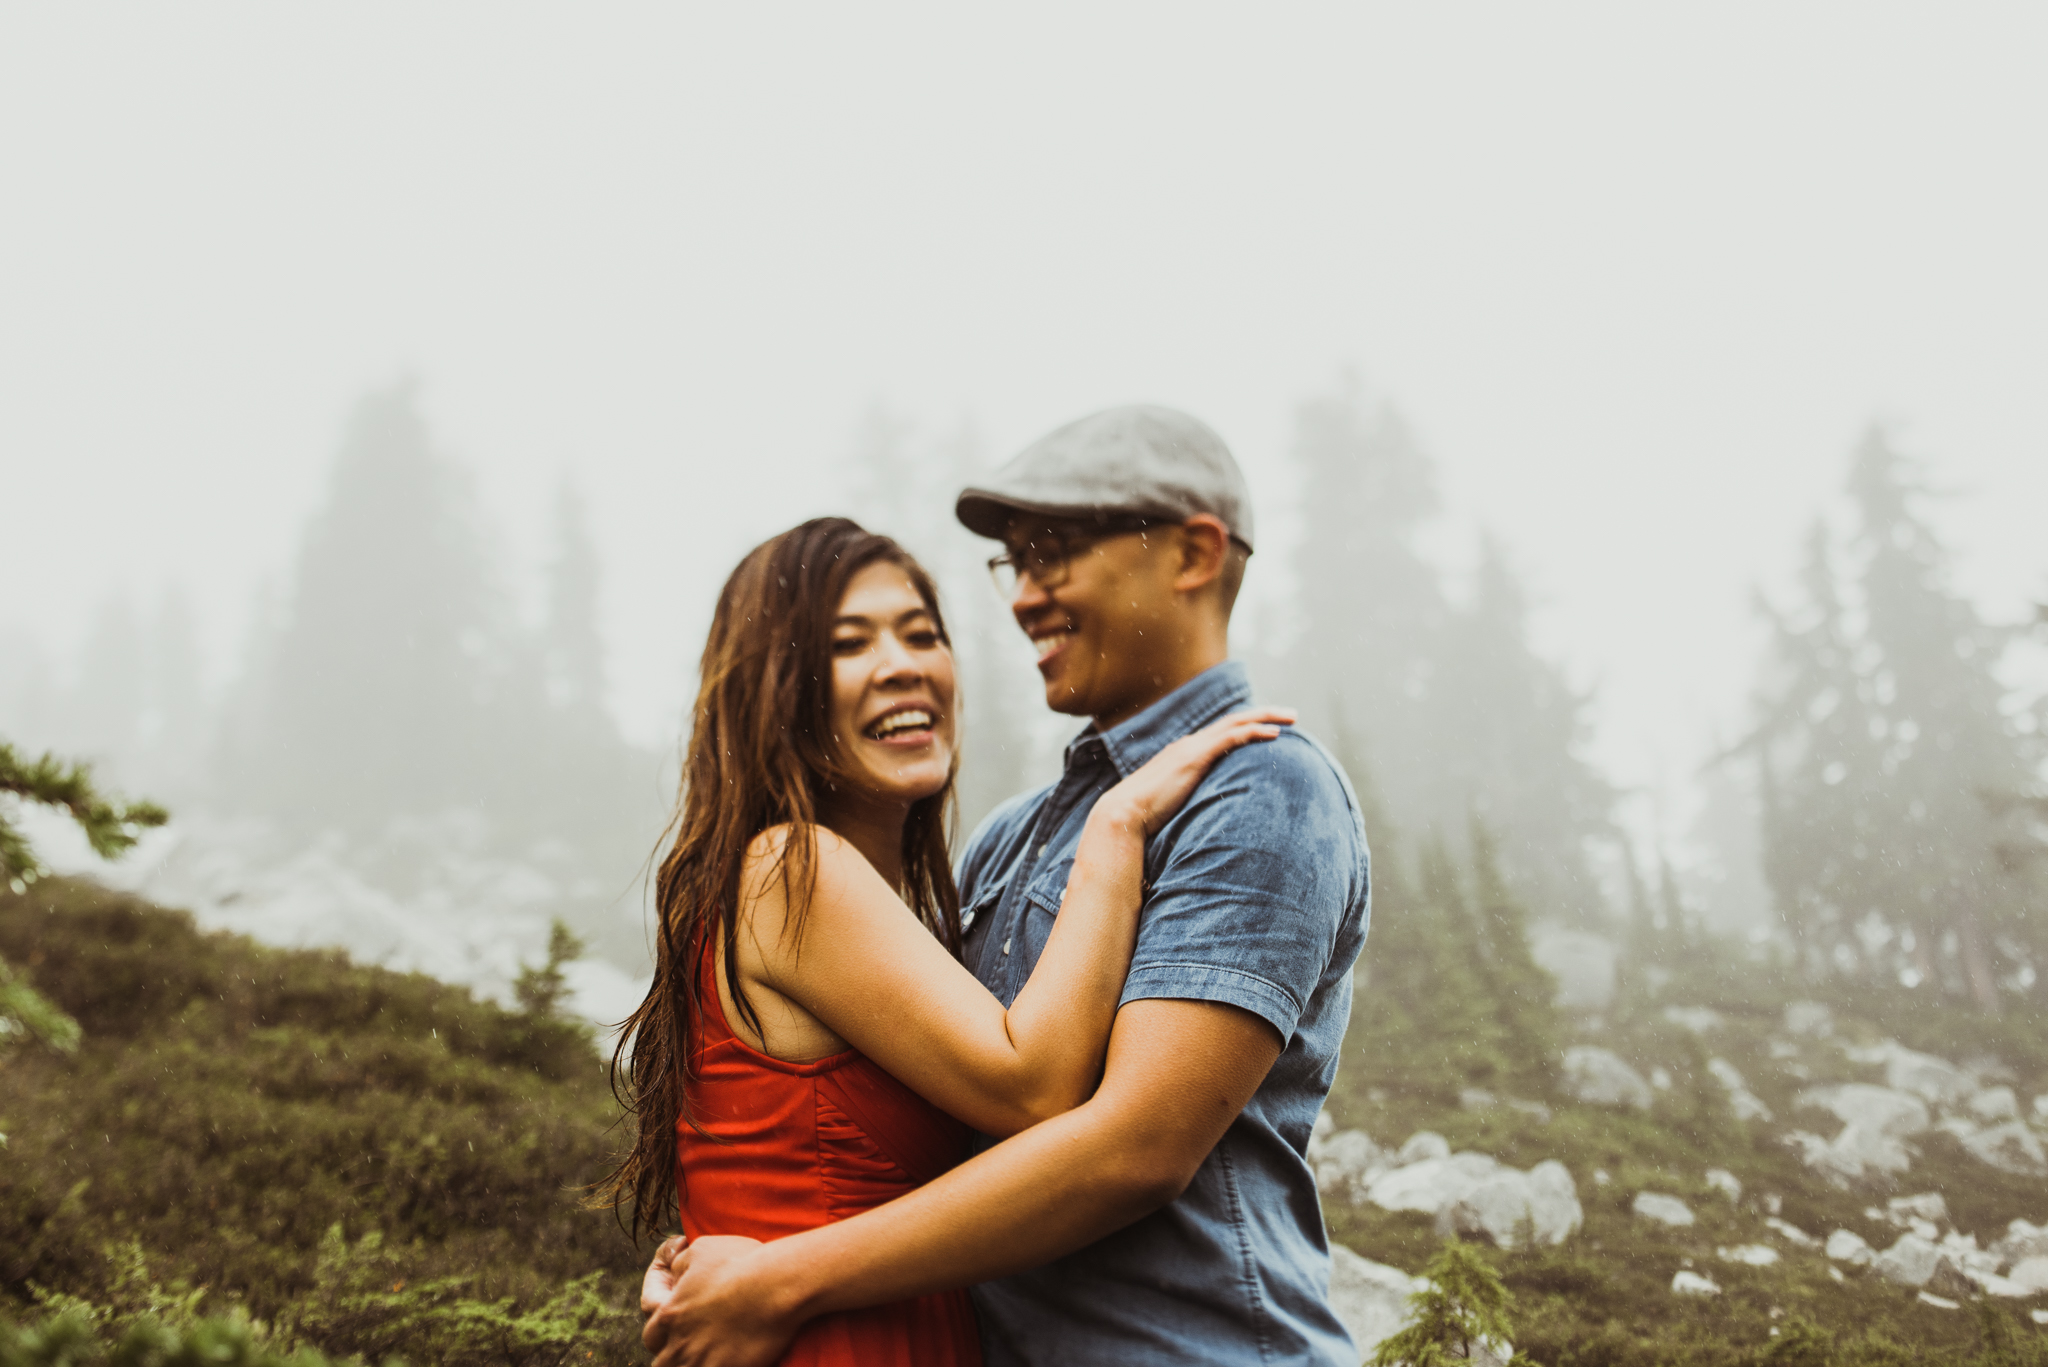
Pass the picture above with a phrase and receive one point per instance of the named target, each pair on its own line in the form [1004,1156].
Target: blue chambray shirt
[1259,897]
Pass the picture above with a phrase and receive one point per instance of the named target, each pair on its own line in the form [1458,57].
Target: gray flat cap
[1139,459]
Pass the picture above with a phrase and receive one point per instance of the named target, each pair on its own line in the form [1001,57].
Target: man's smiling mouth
[1052,640]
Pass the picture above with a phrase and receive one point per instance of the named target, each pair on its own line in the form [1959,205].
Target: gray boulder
[1930,1206]
[1881,1110]
[1847,1246]
[2023,1239]
[1745,1103]
[1994,1104]
[1345,1164]
[1665,1210]
[1544,1202]
[1422,1146]
[1370,1299]
[1909,1262]
[1934,1080]
[1599,1077]
[1432,1184]
[1684,1283]
[2010,1147]
[2030,1275]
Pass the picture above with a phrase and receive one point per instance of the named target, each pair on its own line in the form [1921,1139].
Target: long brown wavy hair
[761,753]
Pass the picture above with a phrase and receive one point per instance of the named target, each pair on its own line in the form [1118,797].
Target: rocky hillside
[1696,1178]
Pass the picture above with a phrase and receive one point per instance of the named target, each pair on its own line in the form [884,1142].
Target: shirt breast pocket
[1044,893]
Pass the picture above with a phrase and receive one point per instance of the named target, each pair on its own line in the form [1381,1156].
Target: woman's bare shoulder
[833,860]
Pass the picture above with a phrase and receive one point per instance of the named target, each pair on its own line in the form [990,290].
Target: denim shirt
[1257,895]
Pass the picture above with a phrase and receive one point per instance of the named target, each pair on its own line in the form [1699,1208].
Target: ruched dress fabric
[792,1146]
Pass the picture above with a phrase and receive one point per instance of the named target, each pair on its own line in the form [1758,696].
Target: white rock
[1693,1284]
[1810,1019]
[1422,1145]
[2023,1239]
[2030,1274]
[1668,1210]
[1994,1104]
[1999,1286]
[1725,1182]
[1746,1104]
[1660,1078]
[1698,1019]
[1930,1206]
[2041,1107]
[1498,1207]
[1599,1077]
[1932,1079]
[2010,1147]
[1850,1154]
[1582,963]
[1909,1262]
[1325,1126]
[1938,1302]
[1847,1246]
[2038,1316]
[1494,1210]
[1432,1184]
[1346,1163]
[1370,1299]
[1881,1110]
[1791,1233]
[1753,1255]
[1554,1202]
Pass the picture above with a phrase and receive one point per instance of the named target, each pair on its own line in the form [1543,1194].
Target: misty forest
[313,1072]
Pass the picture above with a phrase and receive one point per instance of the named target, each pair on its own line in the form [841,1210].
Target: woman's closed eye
[849,645]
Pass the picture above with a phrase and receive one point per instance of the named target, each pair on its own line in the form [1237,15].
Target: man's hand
[714,1315]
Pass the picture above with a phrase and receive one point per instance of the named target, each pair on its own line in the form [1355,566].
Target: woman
[811,1046]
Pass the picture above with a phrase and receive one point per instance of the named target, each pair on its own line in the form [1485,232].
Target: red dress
[793,1146]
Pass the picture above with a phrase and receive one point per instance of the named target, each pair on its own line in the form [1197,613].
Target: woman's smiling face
[892,687]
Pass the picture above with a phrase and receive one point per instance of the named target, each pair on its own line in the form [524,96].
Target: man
[1173,1217]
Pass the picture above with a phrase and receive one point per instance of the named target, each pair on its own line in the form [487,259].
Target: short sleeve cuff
[1209,983]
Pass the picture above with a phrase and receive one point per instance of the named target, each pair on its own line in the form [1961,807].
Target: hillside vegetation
[1454,1033]
[344,1158]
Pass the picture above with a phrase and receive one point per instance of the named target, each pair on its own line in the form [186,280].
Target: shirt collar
[1217,690]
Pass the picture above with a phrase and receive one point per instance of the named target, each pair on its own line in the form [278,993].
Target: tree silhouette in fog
[1445,707]
[391,663]
[398,683]
[1884,740]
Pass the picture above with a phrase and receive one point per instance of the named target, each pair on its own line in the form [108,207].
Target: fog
[1636,282]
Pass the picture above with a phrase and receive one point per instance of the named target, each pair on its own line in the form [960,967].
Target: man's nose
[1028,596]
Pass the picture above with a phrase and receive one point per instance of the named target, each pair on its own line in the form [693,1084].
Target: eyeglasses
[1046,553]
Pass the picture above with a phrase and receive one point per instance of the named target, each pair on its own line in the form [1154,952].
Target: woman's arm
[871,973]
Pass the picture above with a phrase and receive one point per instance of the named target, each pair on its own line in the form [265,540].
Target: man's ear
[1204,542]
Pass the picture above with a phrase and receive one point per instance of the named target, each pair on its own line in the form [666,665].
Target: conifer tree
[385,682]
[111,827]
[1881,736]
[1509,731]
[1460,1314]
[1448,705]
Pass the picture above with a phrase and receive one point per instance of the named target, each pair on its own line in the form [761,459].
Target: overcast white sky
[1639,277]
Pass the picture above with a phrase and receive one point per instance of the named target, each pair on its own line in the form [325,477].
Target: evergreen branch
[110,826]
